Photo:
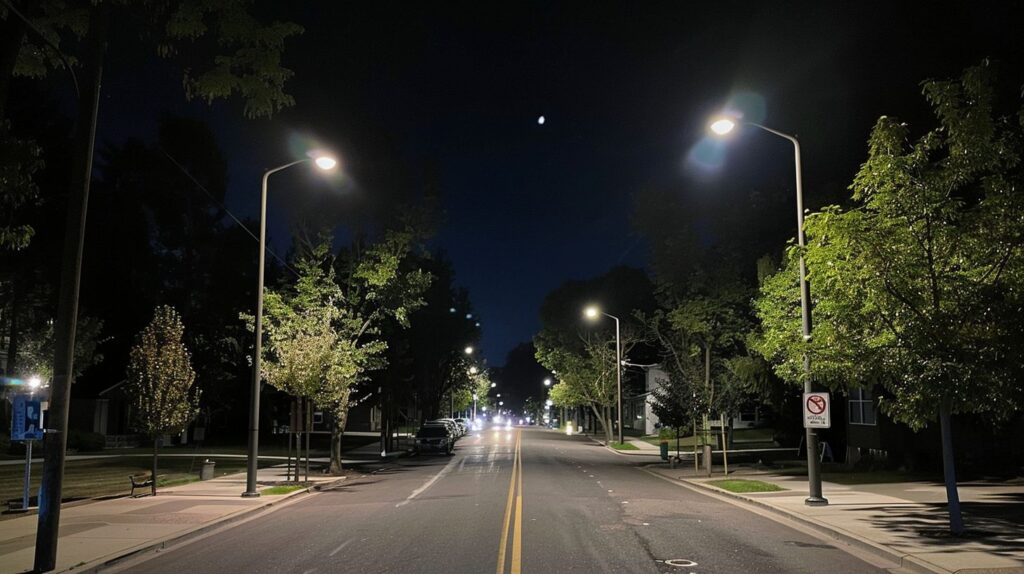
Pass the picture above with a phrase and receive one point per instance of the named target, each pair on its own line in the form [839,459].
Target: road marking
[517,536]
[513,504]
[447,468]
[339,548]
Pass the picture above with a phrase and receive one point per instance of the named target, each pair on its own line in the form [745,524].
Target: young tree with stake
[161,381]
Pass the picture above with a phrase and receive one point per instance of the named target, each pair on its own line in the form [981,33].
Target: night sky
[444,98]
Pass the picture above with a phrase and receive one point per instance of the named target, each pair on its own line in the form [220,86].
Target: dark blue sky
[445,97]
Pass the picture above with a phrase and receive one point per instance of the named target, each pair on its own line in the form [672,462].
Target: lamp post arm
[267,173]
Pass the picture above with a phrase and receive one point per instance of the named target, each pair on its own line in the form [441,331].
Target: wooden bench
[145,482]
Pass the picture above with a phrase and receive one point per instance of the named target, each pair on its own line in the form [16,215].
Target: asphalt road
[525,500]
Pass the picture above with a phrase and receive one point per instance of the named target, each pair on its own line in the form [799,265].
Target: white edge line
[339,548]
[418,491]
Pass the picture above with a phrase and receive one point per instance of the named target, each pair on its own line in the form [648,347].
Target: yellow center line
[517,535]
[508,509]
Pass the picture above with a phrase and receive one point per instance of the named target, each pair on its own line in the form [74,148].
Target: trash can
[664,449]
[207,472]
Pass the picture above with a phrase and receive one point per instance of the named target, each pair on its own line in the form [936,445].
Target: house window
[862,408]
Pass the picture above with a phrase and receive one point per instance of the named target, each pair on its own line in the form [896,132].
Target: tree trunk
[337,433]
[602,419]
[956,521]
[309,429]
[152,472]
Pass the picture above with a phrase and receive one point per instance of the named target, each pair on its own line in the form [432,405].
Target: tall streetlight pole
[324,163]
[724,126]
[593,313]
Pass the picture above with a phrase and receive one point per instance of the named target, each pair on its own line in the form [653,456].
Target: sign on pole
[27,419]
[816,411]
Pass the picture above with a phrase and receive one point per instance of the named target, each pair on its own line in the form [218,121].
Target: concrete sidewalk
[905,522]
[95,532]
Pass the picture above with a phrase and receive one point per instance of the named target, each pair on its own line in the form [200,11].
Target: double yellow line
[515,495]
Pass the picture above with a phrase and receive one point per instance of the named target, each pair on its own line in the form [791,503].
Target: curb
[101,564]
[903,560]
[623,453]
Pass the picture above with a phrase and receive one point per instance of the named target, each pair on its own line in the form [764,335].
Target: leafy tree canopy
[919,285]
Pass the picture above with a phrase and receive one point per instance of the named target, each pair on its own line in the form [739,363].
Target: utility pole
[55,443]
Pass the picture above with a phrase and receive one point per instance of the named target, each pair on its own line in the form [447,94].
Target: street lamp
[593,313]
[723,126]
[468,350]
[473,370]
[547,382]
[325,163]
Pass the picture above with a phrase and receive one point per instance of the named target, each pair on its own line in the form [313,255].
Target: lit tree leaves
[160,377]
[19,160]
[918,286]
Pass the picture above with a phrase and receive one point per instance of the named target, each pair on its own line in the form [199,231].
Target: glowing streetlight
[722,127]
[468,350]
[593,313]
[34,383]
[494,385]
[324,163]
[547,382]
[473,370]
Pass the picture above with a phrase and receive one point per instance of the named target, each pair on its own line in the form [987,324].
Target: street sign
[816,411]
[27,419]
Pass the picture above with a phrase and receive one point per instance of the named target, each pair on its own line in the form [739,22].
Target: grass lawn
[281,489]
[624,446]
[741,485]
[109,476]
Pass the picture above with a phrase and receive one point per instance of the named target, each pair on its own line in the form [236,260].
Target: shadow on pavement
[996,524]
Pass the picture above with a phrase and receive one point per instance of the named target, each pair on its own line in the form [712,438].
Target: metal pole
[618,373]
[814,497]
[28,475]
[254,400]
[55,439]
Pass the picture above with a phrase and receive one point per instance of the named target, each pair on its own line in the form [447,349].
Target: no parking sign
[816,411]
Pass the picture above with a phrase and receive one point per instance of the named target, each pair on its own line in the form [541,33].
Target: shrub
[86,441]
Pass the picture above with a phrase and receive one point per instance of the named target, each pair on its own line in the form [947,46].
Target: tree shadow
[995,523]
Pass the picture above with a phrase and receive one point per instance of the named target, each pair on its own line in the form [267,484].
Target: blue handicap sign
[27,419]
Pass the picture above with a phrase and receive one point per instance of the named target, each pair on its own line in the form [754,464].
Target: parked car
[464,423]
[435,437]
[451,424]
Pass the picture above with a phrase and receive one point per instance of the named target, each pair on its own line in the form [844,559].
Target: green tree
[586,374]
[918,286]
[323,333]
[161,381]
